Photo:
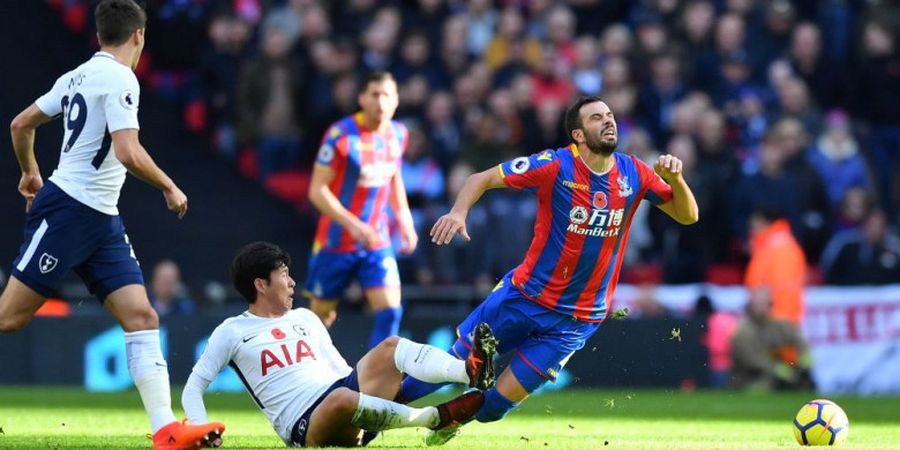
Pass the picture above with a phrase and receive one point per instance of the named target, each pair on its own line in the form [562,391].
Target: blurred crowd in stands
[786,107]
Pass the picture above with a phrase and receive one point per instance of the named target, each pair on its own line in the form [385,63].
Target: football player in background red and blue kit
[356,176]
[545,309]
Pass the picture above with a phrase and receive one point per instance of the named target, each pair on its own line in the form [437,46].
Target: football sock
[377,414]
[387,323]
[151,376]
[412,389]
[495,406]
[428,363]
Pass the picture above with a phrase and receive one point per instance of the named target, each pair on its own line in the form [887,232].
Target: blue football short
[331,272]
[62,233]
[542,340]
[301,426]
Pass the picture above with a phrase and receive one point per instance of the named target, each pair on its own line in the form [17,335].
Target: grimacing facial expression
[599,127]
[379,100]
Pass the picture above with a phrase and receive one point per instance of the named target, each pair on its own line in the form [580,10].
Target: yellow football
[821,422]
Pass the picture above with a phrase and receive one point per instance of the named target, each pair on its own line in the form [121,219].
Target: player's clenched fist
[447,226]
[668,167]
[363,233]
[408,239]
[29,186]
[176,201]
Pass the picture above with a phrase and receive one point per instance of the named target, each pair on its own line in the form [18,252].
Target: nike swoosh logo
[250,337]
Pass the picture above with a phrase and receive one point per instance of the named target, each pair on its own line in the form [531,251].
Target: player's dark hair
[377,76]
[256,260]
[117,20]
[573,114]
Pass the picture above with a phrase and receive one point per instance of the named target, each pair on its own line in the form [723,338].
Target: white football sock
[378,414]
[428,363]
[151,376]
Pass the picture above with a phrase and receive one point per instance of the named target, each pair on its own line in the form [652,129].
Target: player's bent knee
[11,324]
[343,401]
[390,343]
[143,319]
[385,351]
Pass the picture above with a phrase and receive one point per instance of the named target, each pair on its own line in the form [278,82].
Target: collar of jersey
[360,121]
[574,148]
[106,55]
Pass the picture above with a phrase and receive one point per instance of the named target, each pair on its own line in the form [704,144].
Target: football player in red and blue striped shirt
[356,177]
[545,309]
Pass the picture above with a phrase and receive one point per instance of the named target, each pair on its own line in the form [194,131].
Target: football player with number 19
[73,221]
[545,309]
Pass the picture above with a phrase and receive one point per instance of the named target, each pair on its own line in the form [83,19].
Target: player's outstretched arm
[192,402]
[215,356]
[454,222]
[328,204]
[135,158]
[683,206]
[192,398]
[22,131]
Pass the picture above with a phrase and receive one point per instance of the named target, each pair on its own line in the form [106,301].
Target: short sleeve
[530,171]
[655,189]
[51,102]
[332,151]
[216,355]
[122,103]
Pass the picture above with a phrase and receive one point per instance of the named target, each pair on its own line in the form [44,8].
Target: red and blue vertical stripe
[348,148]
[569,271]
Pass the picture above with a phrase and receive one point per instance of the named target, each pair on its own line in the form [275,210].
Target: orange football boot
[183,436]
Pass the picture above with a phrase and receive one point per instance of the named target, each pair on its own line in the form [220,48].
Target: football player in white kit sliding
[73,221]
[298,379]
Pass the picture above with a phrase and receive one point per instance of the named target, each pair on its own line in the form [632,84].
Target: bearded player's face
[599,126]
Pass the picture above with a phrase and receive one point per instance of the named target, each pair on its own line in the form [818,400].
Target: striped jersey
[581,229]
[364,163]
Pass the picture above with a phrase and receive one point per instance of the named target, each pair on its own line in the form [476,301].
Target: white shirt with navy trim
[96,99]
[285,363]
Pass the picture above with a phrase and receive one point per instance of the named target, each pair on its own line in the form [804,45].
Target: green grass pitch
[65,418]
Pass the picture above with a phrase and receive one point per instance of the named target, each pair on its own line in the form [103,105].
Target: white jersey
[96,99]
[285,363]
